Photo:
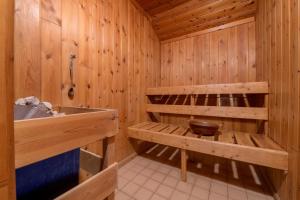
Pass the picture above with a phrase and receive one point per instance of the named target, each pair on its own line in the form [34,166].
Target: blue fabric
[49,178]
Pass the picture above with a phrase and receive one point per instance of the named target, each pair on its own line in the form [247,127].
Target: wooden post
[193,103]
[109,151]
[193,98]
[266,125]
[109,156]
[231,100]
[246,100]
[183,165]
[7,167]
[218,100]
[206,100]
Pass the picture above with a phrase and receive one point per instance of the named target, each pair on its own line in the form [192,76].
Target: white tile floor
[145,179]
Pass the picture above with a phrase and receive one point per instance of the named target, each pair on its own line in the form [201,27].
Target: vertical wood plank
[252,52]
[27,48]
[69,47]
[233,67]
[51,11]
[278,29]
[7,167]
[243,52]
[51,62]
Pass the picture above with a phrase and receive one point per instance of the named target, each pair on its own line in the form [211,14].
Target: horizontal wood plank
[211,111]
[98,187]
[265,142]
[233,88]
[260,156]
[39,139]
[226,137]
[243,139]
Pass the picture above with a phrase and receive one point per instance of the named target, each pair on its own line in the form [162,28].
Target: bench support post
[184,159]
[109,156]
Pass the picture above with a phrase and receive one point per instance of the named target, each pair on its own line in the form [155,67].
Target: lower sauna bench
[251,148]
[47,155]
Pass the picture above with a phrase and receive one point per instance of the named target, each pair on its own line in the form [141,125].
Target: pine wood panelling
[278,62]
[50,62]
[224,56]
[210,57]
[174,18]
[7,188]
[27,48]
[69,32]
[117,57]
[156,6]
[51,11]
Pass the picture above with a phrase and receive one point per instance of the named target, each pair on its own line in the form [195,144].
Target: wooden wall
[7,188]
[116,48]
[278,40]
[210,57]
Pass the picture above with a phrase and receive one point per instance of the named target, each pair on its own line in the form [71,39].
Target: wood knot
[48,56]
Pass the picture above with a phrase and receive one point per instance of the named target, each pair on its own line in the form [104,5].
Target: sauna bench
[251,148]
[243,101]
[43,138]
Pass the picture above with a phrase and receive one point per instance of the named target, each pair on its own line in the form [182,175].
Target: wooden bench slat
[244,139]
[141,125]
[265,142]
[159,127]
[190,134]
[150,126]
[226,137]
[180,131]
[170,129]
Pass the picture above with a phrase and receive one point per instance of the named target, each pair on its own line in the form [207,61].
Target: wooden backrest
[167,100]
[232,88]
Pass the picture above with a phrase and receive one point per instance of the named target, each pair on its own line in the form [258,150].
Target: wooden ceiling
[172,18]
